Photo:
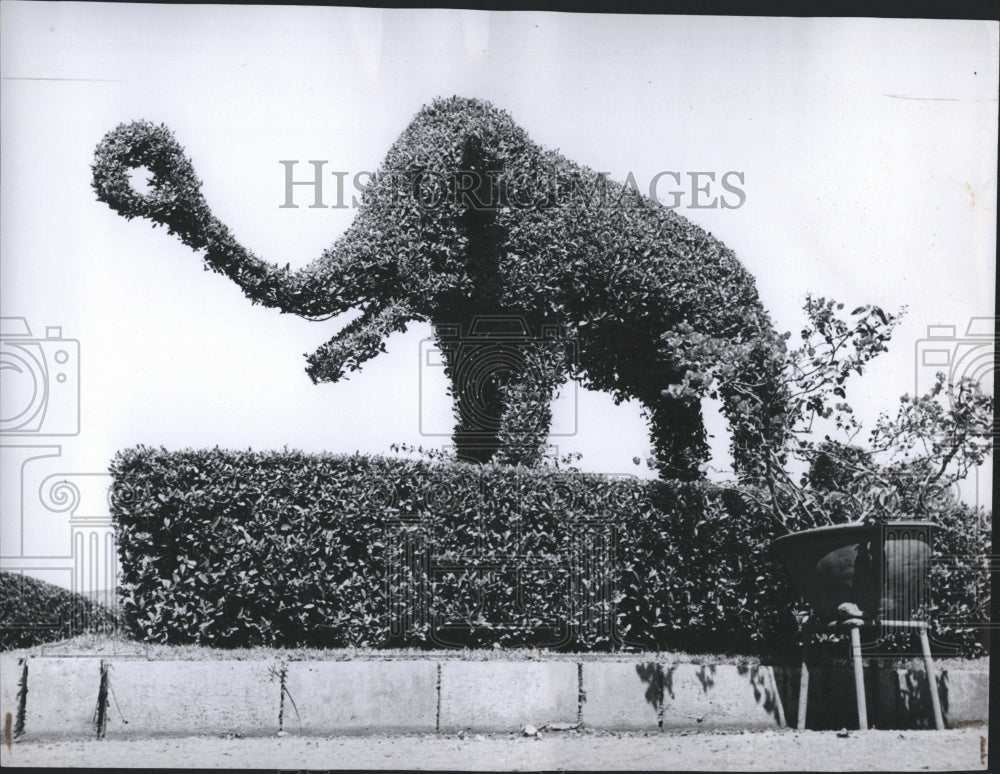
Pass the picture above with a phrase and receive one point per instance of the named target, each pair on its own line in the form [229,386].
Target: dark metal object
[880,568]
[854,576]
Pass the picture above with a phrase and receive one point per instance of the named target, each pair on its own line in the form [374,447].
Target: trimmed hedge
[237,548]
[33,612]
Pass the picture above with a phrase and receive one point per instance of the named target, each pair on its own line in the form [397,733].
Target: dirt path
[761,751]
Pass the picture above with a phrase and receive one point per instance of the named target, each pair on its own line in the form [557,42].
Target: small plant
[552,460]
[33,612]
[909,464]
[430,454]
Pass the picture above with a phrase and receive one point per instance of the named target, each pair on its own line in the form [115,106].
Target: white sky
[868,149]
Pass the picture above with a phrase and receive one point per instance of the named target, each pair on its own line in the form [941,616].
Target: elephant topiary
[472,227]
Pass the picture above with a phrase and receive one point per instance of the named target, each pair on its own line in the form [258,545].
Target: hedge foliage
[33,612]
[235,548]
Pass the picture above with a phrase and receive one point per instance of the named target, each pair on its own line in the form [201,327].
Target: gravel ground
[787,750]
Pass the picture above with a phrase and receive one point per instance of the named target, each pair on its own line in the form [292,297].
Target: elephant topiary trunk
[531,269]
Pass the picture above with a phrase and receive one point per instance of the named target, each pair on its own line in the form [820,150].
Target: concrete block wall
[506,695]
[350,697]
[11,676]
[60,697]
[123,697]
[166,698]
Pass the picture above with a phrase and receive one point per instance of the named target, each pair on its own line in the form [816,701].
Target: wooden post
[925,646]
[803,685]
[859,678]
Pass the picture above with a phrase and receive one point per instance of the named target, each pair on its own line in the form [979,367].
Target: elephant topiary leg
[527,404]
[478,406]
[472,368]
[680,443]
[756,409]
[502,390]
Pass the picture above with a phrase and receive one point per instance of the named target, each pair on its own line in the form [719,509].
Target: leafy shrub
[240,548]
[960,579]
[33,612]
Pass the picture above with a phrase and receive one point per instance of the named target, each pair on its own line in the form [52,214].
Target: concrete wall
[122,697]
[507,695]
[11,675]
[154,698]
[349,697]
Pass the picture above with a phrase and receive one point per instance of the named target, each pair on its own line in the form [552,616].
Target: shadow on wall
[895,698]
[720,690]
[706,676]
[765,692]
[914,700]
[652,676]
